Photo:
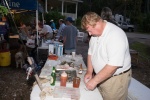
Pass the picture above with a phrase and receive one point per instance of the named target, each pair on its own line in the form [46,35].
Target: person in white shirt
[46,31]
[108,57]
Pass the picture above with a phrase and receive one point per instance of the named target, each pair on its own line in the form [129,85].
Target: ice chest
[59,49]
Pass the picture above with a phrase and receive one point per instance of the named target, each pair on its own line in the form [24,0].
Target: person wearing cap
[69,35]
[52,24]
[108,56]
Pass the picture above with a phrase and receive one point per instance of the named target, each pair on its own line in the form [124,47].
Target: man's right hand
[87,77]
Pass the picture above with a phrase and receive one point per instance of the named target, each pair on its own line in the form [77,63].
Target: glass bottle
[63,79]
[53,76]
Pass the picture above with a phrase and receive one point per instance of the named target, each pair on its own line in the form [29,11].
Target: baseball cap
[51,20]
[69,19]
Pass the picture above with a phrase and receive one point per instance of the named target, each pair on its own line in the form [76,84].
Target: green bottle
[53,76]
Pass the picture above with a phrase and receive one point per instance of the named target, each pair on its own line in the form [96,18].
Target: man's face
[66,22]
[94,30]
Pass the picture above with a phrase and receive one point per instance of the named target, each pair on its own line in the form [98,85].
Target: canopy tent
[19,6]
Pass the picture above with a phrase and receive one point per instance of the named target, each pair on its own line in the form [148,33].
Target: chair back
[80,36]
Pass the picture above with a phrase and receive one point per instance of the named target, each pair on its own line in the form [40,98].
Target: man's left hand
[91,84]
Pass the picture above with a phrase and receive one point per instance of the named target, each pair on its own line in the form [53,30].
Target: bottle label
[51,79]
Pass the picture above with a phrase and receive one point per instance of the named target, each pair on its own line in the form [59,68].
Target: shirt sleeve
[90,47]
[116,50]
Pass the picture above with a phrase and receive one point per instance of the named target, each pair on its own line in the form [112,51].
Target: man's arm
[64,39]
[89,71]
[101,76]
[89,65]
[105,73]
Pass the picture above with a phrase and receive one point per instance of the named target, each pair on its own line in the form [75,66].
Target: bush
[55,15]
[78,22]
[144,23]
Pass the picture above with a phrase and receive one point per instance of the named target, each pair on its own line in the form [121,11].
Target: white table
[46,70]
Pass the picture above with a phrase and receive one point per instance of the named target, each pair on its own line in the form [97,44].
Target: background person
[46,31]
[24,35]
[106,14]
[4,28]
[69,35]
[52,24]
[61,27]
[108,57]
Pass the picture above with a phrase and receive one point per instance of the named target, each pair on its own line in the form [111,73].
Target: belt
[122,72]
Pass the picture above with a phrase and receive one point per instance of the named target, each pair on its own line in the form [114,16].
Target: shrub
[55,15]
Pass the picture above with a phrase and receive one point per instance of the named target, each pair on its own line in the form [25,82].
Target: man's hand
[91,84]
[87,77]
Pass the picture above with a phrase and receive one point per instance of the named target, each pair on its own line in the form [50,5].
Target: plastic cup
[73,54]
[76,82]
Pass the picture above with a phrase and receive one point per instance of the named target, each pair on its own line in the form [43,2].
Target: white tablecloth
[84,94]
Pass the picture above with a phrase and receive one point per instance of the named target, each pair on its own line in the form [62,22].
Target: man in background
[69,35]
[61,27]
[106,14]
[46,31]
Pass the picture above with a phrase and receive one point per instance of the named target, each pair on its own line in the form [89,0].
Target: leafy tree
[55,15]
[3,10]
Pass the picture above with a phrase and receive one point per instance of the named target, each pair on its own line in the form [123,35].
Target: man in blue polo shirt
[69,35]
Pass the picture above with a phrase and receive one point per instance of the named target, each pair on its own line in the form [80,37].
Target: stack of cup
[73,54]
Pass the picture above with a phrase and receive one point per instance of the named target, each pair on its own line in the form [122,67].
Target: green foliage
[129,8]
[78,21]
[146,23]
[55,15]
[141,48]
[23,17]
[143,22]
[3,10]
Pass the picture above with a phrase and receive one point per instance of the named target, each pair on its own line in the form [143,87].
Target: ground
[14,86]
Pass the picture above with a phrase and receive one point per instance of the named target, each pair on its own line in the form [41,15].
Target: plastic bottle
[63,79]
[53,76]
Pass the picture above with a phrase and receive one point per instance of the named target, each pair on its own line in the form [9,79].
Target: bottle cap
[64,74]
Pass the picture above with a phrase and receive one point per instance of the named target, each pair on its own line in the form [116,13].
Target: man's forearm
[105,73]
[89,65]
[64,40]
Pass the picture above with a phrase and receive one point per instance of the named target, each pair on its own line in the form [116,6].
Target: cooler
[5,58]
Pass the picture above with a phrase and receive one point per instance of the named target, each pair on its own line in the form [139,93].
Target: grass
[144,50]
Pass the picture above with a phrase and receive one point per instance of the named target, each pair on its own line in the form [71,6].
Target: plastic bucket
[5,58]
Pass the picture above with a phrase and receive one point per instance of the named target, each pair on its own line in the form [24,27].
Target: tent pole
[37,26]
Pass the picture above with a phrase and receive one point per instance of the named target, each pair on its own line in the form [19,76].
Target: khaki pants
[116,87]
